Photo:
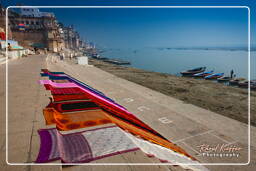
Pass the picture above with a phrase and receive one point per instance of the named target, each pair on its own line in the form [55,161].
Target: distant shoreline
[252,49]
[229,101]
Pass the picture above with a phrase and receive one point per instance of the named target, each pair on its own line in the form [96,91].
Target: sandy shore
[225,100]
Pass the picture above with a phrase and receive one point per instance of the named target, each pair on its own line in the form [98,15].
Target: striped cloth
[83,146]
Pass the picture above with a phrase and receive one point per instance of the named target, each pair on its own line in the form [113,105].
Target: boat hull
[201,76]
[190,73]
[214,76]
[223,79]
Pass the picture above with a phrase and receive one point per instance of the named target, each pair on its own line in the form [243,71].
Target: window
[27,22]
[37,23]
[32,22]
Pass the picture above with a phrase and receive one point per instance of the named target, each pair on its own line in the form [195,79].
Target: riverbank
[229,101]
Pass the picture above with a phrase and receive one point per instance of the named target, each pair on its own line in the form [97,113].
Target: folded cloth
[75,120]
[68,97]
[71,106]
[65,91]
[61,81]
[94,144]
[83,146]
[123,118]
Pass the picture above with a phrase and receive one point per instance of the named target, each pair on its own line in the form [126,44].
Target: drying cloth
[83,146]
[65,91]
[68,97]
[123,118]
[75,120]
[71,106]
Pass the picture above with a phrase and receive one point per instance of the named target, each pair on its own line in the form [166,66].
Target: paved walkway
[184,124]
[25,103]
[187,125]
[26,99]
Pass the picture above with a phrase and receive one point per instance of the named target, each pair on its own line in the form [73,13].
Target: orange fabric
[48,115]
[75,120]
[147,135]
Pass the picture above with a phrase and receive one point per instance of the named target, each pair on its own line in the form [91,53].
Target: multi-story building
[72,38]
[3,22]
[33,28]
[34,12]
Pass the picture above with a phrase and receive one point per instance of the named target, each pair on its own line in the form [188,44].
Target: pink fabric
[94,96]
[58,85]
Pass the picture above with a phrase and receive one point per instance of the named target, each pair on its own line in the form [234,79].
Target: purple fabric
[45,146]
[73,148]
[69,148]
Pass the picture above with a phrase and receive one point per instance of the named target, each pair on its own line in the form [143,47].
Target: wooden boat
[214,76]
[193,71]
[253,86]
[244,84]
[235,81]
[223,79]
[117,62]
[202,74]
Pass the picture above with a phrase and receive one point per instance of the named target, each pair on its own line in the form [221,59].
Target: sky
[157,27]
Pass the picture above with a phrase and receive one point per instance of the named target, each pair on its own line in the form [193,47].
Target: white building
[34,12]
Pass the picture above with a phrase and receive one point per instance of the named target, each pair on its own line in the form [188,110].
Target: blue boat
[203,74]
[214,76]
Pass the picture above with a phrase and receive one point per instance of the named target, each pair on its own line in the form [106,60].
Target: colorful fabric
[83,146]
[147,135]
[75,120]
[65,91]
[164,154]
[71,106]
[58,85]
[61,81]
[108,106]
[56,76]
[58,98]
[120,116]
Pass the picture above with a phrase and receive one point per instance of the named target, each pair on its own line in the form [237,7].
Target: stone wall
[26,39]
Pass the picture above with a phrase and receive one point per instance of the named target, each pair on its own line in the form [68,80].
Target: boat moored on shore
[202,74]
[214,76]
[235,81]
[244,84]
[193,71]
[224,79]
[117,62]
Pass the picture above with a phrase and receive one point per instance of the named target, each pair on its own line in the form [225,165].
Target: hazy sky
[155,27]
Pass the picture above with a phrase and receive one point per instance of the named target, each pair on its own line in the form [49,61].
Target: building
[35,29]
[3,22]
[34,12]
[71,38]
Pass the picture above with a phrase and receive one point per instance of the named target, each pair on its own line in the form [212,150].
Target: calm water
[173,61]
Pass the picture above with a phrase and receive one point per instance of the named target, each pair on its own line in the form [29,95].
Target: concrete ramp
[208,136]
